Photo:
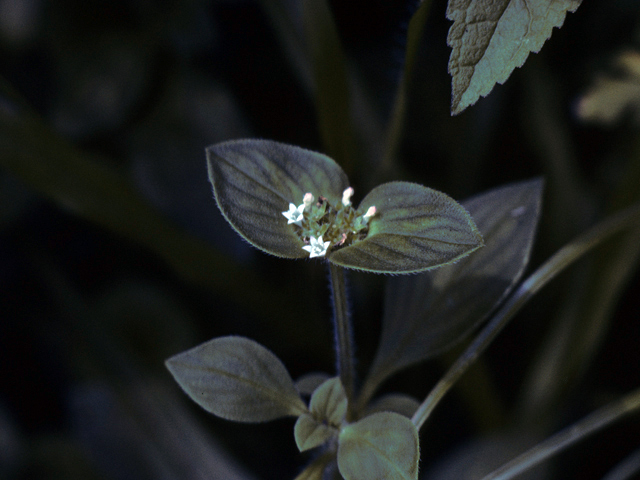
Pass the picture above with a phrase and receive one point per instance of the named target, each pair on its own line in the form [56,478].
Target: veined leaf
[490,38]
[254,181]
[427,313]
[381,446]
[237,379]
[328,408]
[416,229]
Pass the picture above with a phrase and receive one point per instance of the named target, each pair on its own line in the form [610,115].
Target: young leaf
[237,379]
[490,38]
[382,446]
[415,229]
[427,313]
[254,181]
[328,408]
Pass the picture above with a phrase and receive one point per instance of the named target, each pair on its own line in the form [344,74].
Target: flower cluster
[322,226]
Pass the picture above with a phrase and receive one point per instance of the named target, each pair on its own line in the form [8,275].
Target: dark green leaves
[383,445]
[328,408]
[416,228]
[237,379]
[255,180]
[427,313]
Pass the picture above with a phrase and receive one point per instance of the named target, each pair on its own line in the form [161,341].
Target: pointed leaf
[307,384]
[490,38]
[415,229]
[329,402]
[382,446]
[427,313]
[309,432]
[254,181]
[237,379]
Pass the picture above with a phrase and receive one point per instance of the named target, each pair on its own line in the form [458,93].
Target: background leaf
[255,180]
[416,228]
[427,313]
[490,38]
[237,379]
[383,445]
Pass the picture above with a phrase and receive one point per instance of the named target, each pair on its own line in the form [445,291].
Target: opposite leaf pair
[399,227]
[238,379]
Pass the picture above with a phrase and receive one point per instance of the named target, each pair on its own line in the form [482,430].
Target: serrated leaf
[490,38]
[381,446]
[254,181]
[328,407]
[427,313]
[611,97]
[415,229]
[237,379]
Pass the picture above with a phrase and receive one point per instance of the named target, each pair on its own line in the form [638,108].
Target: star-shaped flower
[295,214]
[316,248]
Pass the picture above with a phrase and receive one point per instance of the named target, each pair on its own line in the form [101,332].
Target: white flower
[317,247]
[346,196]
[370,213]
[295,214]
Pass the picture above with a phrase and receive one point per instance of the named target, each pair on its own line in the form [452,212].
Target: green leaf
[426,314]
[307,384]
[237,379]
[328,408]
[382,446]
[415,229]
[405,405]
[255,180]
[315,471]
[490,38]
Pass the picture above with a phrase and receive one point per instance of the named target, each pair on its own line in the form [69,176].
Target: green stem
[343,332]
[567,437]
[545,273]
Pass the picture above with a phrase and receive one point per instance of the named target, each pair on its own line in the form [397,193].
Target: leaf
[237,379]
[306,384]
[315,471]
[611,97]
[405,405]
[490,38]
[381,446]
[328,408]
[415,229]
[426,314]
[254,181]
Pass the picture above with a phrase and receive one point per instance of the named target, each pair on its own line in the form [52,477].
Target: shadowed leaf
[405,405]
[237,379]
[254,181]
[490,38]
[383,445]
[328,408]
[415,229]
[427,313]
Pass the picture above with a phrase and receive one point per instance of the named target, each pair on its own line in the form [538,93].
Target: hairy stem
[343,332]
[545,273]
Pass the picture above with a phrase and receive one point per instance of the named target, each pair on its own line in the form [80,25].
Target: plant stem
[567,437]
[343,332]
[545,273]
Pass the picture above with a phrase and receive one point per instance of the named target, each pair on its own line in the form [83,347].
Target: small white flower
[295,214]
[317,247]
[307,200]
[346,196]
[370,213]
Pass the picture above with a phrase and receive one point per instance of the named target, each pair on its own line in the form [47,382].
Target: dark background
[91,304]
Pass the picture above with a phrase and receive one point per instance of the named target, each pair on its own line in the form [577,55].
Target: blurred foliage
[114,255]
